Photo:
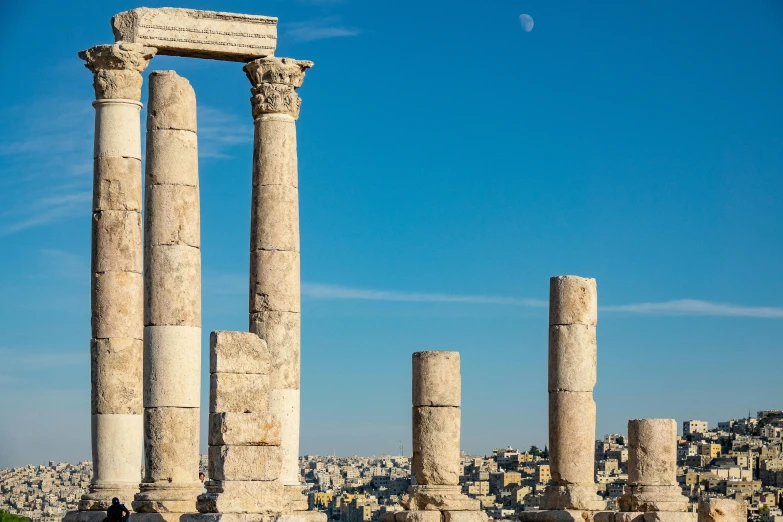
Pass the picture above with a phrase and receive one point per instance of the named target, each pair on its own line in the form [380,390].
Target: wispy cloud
[219,131]
[66,264]
[46,210]
[318,29]
[696,307]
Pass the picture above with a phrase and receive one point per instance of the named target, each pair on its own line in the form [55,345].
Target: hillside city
[740,459]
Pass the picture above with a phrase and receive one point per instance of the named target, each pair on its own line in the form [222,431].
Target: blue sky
[450,163]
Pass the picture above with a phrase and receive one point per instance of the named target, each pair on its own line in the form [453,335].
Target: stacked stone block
[713,509]
[172,304]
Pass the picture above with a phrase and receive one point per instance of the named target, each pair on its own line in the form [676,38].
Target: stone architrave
[172,311]
[274,242]
[117,303]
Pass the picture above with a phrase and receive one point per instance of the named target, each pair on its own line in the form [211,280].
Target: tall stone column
[573,314]
[172,304]
[274,240]
[117,309]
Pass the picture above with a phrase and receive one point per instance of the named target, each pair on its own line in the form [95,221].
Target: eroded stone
[117,305]
[238,392]
[171,445]
[274,277]
[172,285]
[116,184]
[652,452]
[572,358]
[243,429]
[275,221]
[436,435]
[110,358]
[572,437]
[172,366]
[244,462]
[436,379]
[281,331]
[573,300]
[714,509]
[238,352]
[172,215]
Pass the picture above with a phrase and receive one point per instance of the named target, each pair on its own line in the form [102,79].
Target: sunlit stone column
[117,307]
[172,301]
[274,240]
[573,314]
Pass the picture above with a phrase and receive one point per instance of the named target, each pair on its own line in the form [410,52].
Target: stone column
[652,468]
[274,240]
[172,304]
[117,309]
[573,314]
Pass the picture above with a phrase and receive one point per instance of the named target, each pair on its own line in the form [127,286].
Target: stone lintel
[194,33]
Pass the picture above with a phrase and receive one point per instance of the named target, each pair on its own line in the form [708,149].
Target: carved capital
[275,81]
[117,69]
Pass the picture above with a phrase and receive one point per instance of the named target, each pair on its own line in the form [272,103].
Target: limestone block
[238,392]
[301,516]
[274,154]
[653,498]
[572,358]
[199,34]
[98,515]
[274,276]
[436,379]
[169,491]
[242,496]
[284,405]
[172,158]
[436,435]
[572,437]
[171,437]
[117,305]
[562,515]
[116,184]
[652,452]
[172,366]
[117,129]
[172,215]
[244,462]
[669,516]
[573,300]
[275,219]
[172,286]
[238,352]
[281,331]
[439,498]
[116,371]
[572,497]
[465,516]
[714,509]
[243,429]
[172,102]
[632,516]
[116,241]
[116,448]
[295,497]
[418,516]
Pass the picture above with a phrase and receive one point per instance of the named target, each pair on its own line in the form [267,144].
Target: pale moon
[527,22]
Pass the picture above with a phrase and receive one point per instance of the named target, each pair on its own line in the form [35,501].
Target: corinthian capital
[274,83]
[117,69]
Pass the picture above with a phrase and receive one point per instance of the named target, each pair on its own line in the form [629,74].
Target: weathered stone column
[652,468]
[172,304]
[117,309]
[274,240]
[573,314]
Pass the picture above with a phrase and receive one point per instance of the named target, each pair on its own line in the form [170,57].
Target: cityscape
[741,459]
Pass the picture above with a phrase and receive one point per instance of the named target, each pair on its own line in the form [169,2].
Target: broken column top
[198,34]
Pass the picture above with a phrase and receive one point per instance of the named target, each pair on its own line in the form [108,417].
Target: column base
[99,496]
[166,498]
[653,498]
[567,515]
[157,517]
[572,497]
[434,516]
[302,516]
[656,516]
[84,516]
[438,498]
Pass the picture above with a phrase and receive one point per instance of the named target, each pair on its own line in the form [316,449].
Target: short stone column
[573,314]
[117,302]
[274,241]
[172,304]
[436,439]
[652,468]
[715,509]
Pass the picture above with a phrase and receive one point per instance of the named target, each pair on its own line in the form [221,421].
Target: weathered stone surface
[438,498]
[281,331]
[572,497]
[116,452]
[275,222]
[572,358]
[238,352]
[574,515]
[244,462]
[238,392]
[301,516]
[236,496]
[117,129]
[171,445]
[116,184]
[172,285]
[158,516]
[464,516]
[117,69]
[652,452]
[284,405]
[243,429]
[274,153]
[199,34]
[436,434]
[653,498]
[417,516]
[110,358]
[172,158]
[117,305]
[669,516]
[172,102]
[628,517]
[170,491]
[274,277]
[573,300]
[275,81]
[713,509]
[172,215]
[116,241]
[97,515]
[572,437]
[436,379]
[99,495]
[172,366]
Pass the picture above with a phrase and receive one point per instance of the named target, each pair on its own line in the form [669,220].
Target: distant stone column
[117,309]
[172,304]
[652,468]
[274,240]
[573,314]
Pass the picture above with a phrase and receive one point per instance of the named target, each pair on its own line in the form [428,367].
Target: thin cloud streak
[318,29]
[696,307]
